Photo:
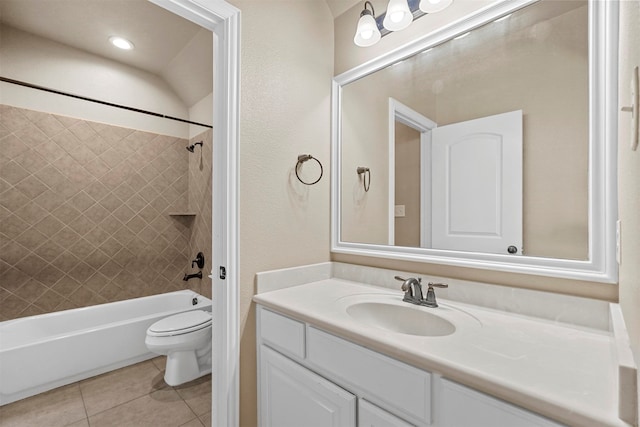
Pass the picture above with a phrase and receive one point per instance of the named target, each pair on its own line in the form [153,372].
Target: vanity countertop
[565,372]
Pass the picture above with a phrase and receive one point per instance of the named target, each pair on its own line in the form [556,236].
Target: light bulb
[433,6]
[121,43]
[367,32]
[398,15]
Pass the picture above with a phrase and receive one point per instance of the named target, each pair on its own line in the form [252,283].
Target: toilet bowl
[185,339]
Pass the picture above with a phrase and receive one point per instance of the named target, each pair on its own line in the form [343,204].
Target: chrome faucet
[412,288]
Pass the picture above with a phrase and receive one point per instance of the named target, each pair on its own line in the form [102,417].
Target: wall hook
[366,180]
[303,158]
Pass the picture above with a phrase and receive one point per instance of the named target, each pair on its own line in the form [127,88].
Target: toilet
[185,339]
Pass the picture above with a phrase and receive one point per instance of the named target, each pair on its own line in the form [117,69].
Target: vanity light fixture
[433,6]
[367,32]
[121,43]
[399,15]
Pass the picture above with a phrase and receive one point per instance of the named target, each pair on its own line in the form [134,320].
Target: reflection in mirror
[549,69]
[509,103]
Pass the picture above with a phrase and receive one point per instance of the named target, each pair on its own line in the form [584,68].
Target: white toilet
[185,339]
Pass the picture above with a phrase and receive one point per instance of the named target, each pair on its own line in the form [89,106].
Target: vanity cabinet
[295,396]
[309,377]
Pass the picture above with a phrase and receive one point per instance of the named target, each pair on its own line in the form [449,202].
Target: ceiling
[165,44]
[338,7]
[163,41]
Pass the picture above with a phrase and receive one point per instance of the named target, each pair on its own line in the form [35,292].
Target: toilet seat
[180,324]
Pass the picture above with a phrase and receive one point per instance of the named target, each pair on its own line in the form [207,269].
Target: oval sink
[405,319]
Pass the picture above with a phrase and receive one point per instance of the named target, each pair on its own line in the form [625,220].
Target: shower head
[192,147]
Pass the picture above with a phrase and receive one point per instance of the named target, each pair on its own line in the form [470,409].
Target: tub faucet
[197,275]
[412,288]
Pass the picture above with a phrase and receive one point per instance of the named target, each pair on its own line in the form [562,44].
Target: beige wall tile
[84,212]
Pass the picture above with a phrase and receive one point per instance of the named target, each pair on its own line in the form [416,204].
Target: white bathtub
[39,353]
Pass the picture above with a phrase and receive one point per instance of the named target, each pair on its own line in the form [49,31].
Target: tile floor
[133,396]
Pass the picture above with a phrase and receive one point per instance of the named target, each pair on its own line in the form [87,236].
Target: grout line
[84,404]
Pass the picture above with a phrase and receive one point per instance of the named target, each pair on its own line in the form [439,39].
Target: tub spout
[192,276]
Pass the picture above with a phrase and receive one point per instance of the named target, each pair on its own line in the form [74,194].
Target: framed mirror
[489,143]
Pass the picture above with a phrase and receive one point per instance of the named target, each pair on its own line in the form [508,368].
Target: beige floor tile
[206,419]
[160,362]
[81,423]
[193,423]
[147,410]
[58,407]
[114,388]
[197,394]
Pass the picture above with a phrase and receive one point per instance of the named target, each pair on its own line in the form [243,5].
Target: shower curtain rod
[97,101]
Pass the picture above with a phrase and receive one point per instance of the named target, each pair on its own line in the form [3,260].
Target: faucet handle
[405,286]
[437,285]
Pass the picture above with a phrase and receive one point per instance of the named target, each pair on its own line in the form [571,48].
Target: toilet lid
[181,323]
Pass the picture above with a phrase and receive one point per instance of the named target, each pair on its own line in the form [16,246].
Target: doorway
[224,21]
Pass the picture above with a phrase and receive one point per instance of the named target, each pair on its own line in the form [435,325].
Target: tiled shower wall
[84,213]
[200,203]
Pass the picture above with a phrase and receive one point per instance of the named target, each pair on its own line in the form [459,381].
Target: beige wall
[544,76]
[287,66]
[629,179]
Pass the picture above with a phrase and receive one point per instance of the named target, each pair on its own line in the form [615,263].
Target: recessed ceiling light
[121,43]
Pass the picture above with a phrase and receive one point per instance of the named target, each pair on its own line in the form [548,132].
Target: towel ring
[366,181]
[303,158]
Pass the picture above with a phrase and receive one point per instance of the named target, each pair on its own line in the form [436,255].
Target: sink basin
[405,319]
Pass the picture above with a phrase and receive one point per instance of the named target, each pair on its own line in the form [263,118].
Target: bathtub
[39,353]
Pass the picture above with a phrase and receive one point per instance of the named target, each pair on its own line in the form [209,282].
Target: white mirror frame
[601,265]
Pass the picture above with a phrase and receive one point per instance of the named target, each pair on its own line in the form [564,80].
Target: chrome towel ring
[303,158]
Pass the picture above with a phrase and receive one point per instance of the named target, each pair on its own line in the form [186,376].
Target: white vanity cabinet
[308,377]
[293,396]
[462,406]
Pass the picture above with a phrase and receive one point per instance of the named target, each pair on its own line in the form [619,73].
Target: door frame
[408,116]
[223,20]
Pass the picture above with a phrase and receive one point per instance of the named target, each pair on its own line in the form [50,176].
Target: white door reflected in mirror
[476,184]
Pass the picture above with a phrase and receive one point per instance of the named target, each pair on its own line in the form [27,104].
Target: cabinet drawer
[281,332]
[482,410]
[395,386]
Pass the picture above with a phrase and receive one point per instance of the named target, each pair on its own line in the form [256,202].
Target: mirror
[485,141]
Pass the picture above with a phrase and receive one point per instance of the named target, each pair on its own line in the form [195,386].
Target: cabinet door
[462,407]
[293,396]
[370,415]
